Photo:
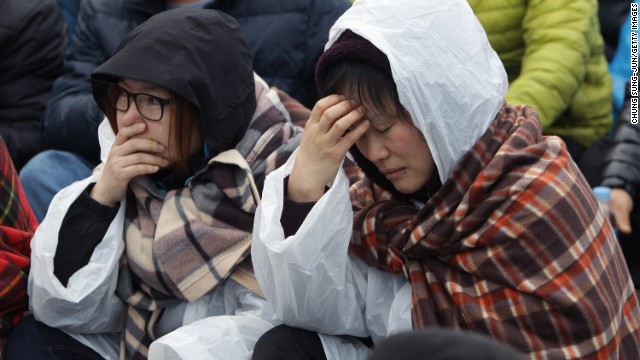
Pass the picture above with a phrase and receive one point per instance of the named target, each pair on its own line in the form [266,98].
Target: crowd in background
[253,82]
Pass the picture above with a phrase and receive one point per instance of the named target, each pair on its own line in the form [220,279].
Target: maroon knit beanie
[352,47]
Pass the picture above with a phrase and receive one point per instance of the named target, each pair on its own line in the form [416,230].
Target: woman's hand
[127,159]
[621,205]
[334,126]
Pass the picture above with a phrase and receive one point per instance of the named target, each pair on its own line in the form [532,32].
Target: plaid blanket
[514,245]
[17,225]
[184,245]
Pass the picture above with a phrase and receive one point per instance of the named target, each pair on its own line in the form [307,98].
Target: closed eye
[385,130]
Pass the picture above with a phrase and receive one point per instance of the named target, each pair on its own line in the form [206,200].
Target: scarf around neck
[514,245]
[184,244]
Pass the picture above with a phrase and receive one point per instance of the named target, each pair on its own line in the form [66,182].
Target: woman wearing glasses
[149,256]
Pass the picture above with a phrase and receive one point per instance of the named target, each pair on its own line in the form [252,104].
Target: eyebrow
[382,118]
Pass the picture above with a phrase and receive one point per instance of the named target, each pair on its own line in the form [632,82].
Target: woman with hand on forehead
[149,257]
[468,217]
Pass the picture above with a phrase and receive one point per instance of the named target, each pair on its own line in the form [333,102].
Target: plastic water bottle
[603,194]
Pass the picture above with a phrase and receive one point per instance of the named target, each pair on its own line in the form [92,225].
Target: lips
[393,173]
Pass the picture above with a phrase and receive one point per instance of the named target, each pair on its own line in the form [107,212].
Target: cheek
[415,147]
[119,124]
[159,132]
[431,170]
[165,137]
[361,144]
[426,158]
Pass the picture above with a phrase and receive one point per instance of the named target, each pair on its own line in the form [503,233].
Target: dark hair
[370,86]
[364,83]
[184,117]
[355,68]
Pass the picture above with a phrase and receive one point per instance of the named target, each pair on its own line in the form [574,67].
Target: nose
[373,148]
[131,116]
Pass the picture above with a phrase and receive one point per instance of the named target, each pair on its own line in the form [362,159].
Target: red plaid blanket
[514,245]
[17,224]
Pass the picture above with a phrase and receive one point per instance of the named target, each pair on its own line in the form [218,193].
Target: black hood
[201,55]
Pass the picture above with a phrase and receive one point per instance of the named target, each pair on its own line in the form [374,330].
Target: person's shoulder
[299,6]
[18,15]
[90,8]
[129,12]
[111,7]
[329,6]
[18,9]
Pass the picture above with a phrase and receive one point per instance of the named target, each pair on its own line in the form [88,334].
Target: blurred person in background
[553,52]
[285,38]
[33,45]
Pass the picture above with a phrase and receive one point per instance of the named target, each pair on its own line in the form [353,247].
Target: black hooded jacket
[33,44]
[170,55]
[621,166]
[202,58]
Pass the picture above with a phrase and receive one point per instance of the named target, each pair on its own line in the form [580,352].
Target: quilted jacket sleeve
[32,50]
[71,114]
[557,50]
[622,169]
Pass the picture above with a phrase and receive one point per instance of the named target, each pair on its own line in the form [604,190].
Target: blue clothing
[31,339]
[620,65]
[69,10]
[49,172]
[198,4]
[32,50]
[71,118]
[285,37]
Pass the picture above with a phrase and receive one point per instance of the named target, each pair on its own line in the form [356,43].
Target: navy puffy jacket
[286,38]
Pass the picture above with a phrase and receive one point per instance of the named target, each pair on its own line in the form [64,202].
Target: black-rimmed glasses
[149,106]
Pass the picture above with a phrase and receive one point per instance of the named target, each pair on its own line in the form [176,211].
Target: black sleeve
[621,167]
[81,231]
[293,213]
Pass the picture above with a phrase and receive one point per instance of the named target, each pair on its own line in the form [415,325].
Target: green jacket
[554,56]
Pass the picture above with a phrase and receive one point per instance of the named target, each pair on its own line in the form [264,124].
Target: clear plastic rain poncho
[453,84]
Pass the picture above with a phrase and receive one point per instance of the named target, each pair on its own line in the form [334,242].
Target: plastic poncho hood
[199,54]
[448,77]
